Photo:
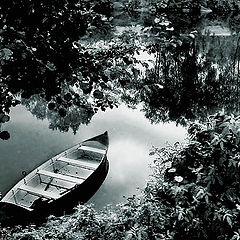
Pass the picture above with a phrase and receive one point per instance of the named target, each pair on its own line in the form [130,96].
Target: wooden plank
[92,149]
[38,192]
[27,208]
[61,176]
[82,164]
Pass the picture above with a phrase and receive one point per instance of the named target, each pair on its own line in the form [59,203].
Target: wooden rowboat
[63,181]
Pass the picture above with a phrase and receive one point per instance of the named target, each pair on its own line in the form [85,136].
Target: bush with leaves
[177,5]
[218,6]
[135,219]
[201,187]
[223,6]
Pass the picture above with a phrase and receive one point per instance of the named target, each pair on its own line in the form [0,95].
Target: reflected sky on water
[131,136]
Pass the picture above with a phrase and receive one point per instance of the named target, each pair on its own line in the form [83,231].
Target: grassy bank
[193,194]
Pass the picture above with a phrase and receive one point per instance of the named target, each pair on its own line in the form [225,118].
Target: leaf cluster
[38,51]
[201,185]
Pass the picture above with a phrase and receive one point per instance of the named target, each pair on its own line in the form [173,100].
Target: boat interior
[57,176]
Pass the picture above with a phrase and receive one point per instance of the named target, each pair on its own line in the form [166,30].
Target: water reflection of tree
[177,76]
[96,86]
[222,63]
[189,82]
[191,76]
[39,50]
[75,115]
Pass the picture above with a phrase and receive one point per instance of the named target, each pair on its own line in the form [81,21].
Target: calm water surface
[131,136]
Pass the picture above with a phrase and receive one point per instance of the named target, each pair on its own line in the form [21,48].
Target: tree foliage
[39,50]
[46,47]
[200,186]
[189,6]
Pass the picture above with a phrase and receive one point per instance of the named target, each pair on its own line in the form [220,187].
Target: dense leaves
[39,40]
[37,43]
[39,51]
[201,181]
[223,6]
[189,6]
[46,47]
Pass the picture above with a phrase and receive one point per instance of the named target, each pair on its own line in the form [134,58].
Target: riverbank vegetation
[194,190]
[52,66]
[187,6]
[193,193]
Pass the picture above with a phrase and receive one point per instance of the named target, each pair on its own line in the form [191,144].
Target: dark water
[131,136]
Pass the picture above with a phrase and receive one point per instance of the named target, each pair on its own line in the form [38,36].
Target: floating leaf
[4,118]
[4,135]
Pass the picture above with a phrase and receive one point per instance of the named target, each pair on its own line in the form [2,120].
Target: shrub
[200,187]
[178,5]
[223,6]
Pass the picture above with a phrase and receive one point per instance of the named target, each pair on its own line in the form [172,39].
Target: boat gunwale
[33,173]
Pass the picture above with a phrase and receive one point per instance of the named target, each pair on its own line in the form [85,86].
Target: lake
[131,137]
[176,68]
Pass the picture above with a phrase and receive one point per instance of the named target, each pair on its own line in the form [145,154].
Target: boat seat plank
[27,208]
[60,176]
[38,192]
[82,164]
[92,149]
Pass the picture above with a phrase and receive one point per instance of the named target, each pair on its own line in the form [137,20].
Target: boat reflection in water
[59,184]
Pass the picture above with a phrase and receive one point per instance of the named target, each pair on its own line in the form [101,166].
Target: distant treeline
[218,6]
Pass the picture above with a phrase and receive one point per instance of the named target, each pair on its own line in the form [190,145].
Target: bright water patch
[131,136]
